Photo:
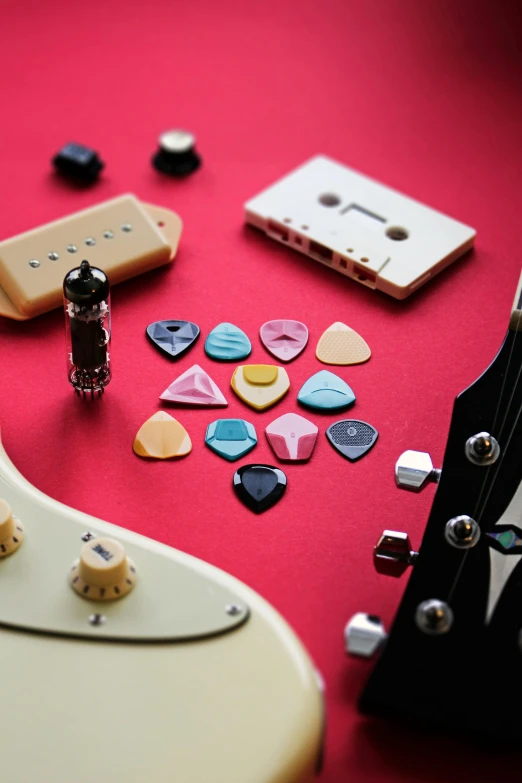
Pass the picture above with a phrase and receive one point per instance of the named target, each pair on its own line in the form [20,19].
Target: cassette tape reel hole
[397,233]
[329,200]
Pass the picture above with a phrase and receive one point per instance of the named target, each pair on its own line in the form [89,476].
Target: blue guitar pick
[231,438]
[326,391]
[227,343]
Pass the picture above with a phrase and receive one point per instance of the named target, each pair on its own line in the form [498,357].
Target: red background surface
[421,95]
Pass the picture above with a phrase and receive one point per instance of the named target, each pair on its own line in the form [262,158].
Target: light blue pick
[326,391]
[227,343]
[231,438]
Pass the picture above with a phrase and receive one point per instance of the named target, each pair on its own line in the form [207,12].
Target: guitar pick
[352,438]
[284,339]
[260,385]
[342,345]
[194,387]
[231,438]
[172,337]
[292,437]
[259,486]
[326,391]
[227,343]
[162,437]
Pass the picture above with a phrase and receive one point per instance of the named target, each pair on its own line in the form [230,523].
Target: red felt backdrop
[421,95]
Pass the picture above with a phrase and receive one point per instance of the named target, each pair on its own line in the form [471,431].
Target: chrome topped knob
[414,470]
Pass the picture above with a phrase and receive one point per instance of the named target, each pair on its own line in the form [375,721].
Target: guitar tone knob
[393,553]
[414,470]
[363,635]
[103,572]
[11,530]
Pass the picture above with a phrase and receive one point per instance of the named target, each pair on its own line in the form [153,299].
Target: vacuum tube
[88,329]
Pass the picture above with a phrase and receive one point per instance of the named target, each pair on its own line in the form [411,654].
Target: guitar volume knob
[11,530]
[103,572]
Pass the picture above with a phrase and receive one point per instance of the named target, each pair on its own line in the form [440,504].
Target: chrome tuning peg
[393,553]
[363,635]
[414,469]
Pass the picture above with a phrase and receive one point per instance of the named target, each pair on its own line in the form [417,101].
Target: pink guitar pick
[292,437]
[194,387]
[284,339]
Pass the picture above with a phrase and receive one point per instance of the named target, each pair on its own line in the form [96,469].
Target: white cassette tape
[359,227]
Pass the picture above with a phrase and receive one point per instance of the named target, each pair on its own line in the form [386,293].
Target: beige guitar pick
[162,437]
[342,345]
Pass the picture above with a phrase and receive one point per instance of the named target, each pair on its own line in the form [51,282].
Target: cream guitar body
[188,678]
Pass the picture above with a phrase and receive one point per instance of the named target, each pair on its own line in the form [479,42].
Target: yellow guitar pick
[162,437]
[342,345]
[260,385]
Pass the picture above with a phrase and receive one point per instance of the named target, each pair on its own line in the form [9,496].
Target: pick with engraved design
[340,344]
[352,438]
[227,343]
[326,391]
[194,387]
[231,438]
[172,338]
[292,437]
[260,385]
[162,437]
[259,487]
[284,339]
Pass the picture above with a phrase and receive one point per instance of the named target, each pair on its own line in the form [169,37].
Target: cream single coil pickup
[123,236]
[360,228]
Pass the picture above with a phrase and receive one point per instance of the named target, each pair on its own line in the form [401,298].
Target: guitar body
[466,678]
[174,685]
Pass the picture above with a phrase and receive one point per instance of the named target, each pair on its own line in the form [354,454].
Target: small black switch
[77,162]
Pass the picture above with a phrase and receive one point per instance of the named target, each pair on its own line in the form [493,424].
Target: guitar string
[493,428]
[518,329]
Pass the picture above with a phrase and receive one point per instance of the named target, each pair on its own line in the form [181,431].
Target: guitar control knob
[103,572]
[414,470]
[393,553]
[11,530]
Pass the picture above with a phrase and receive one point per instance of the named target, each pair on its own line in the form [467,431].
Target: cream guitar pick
[342,345]
[162,437]
[260,385]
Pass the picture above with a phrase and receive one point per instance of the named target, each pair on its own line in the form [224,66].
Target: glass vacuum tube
[88,328]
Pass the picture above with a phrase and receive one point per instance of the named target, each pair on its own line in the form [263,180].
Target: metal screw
[72,249]
[34,263]
[90,241]
[434,617]
[87,536]
[53,256]
[462,532]
[97,619]
[108,234]
[482,449]
[233,609]
[126,227]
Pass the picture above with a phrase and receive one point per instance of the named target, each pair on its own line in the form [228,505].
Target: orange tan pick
[342,345]
[162,437]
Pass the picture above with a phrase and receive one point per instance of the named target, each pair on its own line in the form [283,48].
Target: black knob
[176,155]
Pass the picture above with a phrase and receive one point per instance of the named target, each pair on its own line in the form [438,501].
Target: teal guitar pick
[227,343]
[326,391]
[231,438]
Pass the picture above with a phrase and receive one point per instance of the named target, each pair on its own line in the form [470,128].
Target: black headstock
[454,653]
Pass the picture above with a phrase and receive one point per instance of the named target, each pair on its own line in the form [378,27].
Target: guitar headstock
[457,636]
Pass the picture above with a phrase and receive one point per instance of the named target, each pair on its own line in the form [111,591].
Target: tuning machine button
[103,572]
[414,470]
[11,530]
[363,635]
[393,553]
